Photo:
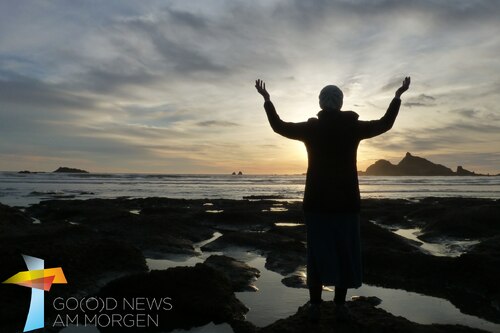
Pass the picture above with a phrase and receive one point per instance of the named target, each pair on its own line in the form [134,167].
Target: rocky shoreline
[102,243]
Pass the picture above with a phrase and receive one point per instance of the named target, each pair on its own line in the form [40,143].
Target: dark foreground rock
[367,318]
[97,239]
[195,296]
[238,273]
[13,221]
[284,254]
[154,226]
[463,219]
[295,280]
[88,259]
[468,281]
[160,225]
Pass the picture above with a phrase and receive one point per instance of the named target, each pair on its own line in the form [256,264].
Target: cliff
[412,165]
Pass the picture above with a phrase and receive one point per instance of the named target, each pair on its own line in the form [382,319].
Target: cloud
[181,51]
[420,100]
[159,81]
[451,137]
[470,114]
[216,123]
[20,90]
[105,82]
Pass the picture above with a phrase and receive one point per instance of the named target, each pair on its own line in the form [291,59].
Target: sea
[273,301]
[17,189]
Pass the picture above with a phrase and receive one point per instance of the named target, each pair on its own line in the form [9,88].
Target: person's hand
[404,87]
[261,89]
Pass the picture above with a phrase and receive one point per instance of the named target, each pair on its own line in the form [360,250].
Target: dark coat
[332,141]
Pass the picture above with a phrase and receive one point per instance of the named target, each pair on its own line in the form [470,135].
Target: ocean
[24,189]
[267,305]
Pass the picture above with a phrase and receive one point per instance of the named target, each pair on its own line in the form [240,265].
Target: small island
[412,165]
[69,170]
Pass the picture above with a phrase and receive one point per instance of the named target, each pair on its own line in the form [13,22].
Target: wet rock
[13,221]
[367,318]
[243,326]
[465,222]
[239,274]
[285,262]
[295,281]
[373,300]
[482,272]
[88,260]
[470,281]
[284,254]
[261,197]
[198,295]
[297,232]
[162,226]
[256,240]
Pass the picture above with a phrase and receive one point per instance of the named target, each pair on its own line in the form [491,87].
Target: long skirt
[333,249]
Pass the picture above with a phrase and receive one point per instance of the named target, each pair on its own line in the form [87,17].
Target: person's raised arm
[369,129]
[296,131]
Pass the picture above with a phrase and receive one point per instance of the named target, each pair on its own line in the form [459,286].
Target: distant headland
[70,170]
[59,170]
[412,165]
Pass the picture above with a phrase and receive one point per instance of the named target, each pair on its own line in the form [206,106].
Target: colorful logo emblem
[39,280]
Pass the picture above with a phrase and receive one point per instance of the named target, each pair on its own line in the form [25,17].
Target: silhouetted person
[331,199]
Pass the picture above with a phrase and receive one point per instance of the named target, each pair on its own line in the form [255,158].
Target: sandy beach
[102,246]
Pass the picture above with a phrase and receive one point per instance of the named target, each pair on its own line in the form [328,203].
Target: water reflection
[275,301]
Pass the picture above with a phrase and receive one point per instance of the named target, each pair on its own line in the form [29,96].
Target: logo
[39,280]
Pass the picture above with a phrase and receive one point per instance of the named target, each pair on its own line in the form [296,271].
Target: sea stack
[69,170]
[464,172]
[410,165]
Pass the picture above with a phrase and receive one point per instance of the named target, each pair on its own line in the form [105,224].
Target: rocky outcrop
[464,172]
[198,295]
[94,239]
[238,273]
[412,165]
[88,258]
[382,168]
[295,280]
[366,318]
[69,170]
[13,220]
[471,220]
[163,226]
[409,166]
[284,254]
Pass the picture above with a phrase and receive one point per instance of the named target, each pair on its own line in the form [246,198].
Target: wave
[31,188]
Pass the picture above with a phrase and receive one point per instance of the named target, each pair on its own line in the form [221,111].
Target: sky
[168,86]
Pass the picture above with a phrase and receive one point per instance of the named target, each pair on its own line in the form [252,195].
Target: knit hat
[331,97]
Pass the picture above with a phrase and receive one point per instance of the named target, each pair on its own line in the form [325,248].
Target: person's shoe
[314,312]
[343,314]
